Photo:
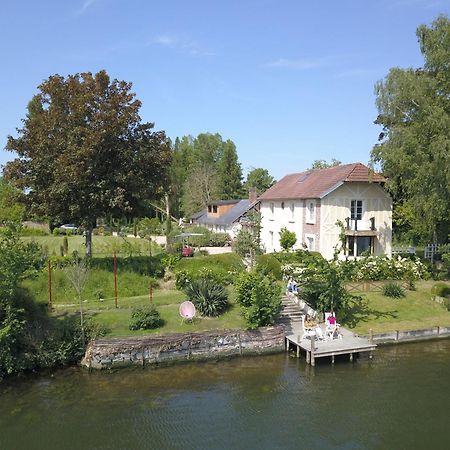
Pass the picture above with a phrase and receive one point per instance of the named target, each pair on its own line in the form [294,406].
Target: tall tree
[84,153]
[414,146]
[229,172]
[260,179]
[204,168]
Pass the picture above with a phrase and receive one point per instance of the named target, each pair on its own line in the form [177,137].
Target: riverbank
[171,348]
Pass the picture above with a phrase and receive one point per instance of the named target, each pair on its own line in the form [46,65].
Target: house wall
[232,229]
[333,207]
[281,217]
[336,206]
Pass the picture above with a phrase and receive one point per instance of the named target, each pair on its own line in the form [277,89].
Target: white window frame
[311,213]
[356,200]
[313,239]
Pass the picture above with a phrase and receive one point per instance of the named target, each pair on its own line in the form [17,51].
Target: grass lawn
[417,310]
[101,245]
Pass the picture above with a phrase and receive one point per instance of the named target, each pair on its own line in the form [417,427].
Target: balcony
[358,227]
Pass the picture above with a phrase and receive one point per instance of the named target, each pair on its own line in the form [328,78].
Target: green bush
[145,318]
[27,231]
[287,239]
[219,239]
[209,297]
[269,265]
[440,290]
[222,268]
[260,298]
[393,290]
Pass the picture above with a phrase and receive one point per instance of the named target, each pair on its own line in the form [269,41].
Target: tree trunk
[89,242]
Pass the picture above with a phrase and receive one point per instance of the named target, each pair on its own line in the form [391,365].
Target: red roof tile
[317,183]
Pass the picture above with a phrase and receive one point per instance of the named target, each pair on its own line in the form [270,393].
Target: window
[311,211]
[292,210]
[310,242]
[272,207]
[209,208]
[282,205]
[271,238]
[356,207]
[214,208]
[358,245]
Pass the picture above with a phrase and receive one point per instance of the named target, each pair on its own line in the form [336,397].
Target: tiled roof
[320,182]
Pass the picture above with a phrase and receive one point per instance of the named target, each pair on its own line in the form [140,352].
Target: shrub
[27,231]
[209,297]
[393,290]
[440,290]
[219,239]
[260,299]
[268,265]
[145,318]
[222,268]
[287,239]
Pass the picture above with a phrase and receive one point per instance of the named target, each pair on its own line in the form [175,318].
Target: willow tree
[414,147]
[83,152]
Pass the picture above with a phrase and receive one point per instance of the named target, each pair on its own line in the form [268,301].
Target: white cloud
[306,63]
[85,6]
[188,46]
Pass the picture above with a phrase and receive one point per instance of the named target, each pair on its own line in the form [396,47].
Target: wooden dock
[314,348]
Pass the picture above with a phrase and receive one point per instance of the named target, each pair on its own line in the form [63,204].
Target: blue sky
[288,81]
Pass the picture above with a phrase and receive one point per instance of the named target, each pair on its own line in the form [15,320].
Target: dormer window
[212,209]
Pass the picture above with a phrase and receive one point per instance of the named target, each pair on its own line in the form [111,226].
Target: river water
[398,400]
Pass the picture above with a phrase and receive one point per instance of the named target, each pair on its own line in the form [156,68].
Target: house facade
[313,203]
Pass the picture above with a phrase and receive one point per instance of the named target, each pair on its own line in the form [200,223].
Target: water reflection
[398,400]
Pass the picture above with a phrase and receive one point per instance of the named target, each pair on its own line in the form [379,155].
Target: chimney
[252,195]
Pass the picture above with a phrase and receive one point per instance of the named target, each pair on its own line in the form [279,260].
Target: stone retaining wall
[393,337]
[152,350]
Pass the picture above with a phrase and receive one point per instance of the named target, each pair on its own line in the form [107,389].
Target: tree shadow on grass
[358,310]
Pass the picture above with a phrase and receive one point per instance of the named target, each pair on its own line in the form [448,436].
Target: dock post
[351,357]
[286,344]
[371,336]
[308,357]
[313,359]
[332,359]
[298,351]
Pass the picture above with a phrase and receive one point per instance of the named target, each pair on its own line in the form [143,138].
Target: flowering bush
[383,268]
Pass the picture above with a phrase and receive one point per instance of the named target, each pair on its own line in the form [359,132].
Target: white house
[226,216]
[311,204]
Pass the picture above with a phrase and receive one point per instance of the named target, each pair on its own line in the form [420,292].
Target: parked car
[68,227]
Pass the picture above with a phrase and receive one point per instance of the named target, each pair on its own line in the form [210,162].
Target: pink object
[187,310]
[331,320]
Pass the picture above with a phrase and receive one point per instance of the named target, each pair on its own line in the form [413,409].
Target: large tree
[229,172]
[323,164]
[204,168]
[83,152]
[414,147]
[260,179]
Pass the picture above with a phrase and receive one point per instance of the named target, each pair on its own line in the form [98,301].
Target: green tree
[260,179]
[84,153]
[260,298]
[323,164]
[414,145]
[229,173]
[11,210]
[287,239]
